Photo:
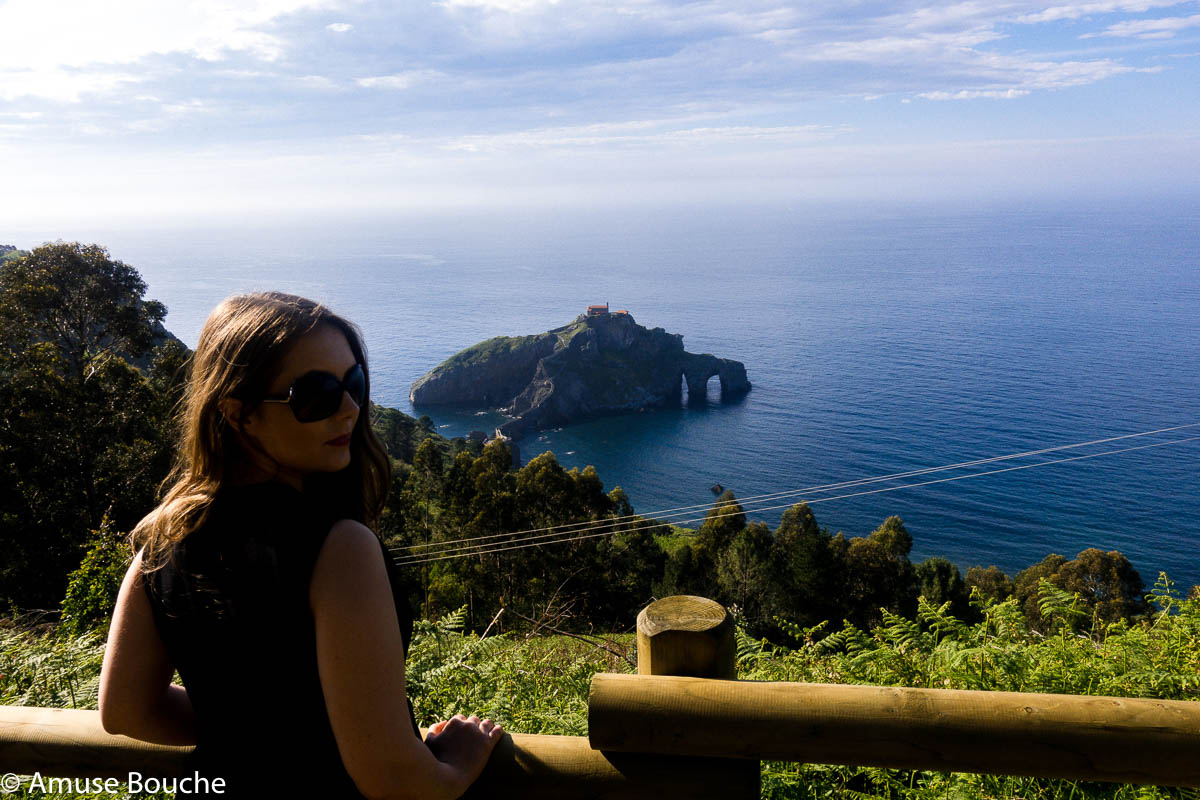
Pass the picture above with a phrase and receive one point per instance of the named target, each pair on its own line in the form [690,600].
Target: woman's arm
[136,695]
[361,661]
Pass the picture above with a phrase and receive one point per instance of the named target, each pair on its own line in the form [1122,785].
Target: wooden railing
[683,728]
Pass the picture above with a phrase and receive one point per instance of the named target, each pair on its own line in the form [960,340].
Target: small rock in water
[717,488]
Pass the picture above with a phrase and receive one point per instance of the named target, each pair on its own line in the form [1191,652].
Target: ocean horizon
[879,340]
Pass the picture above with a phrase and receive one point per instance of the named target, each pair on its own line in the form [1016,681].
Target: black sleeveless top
[232,609]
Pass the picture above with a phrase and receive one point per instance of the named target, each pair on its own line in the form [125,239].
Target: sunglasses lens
[315,397]
[356,384]
[318,395]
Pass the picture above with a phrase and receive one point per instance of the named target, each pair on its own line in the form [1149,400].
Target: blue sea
[879,339]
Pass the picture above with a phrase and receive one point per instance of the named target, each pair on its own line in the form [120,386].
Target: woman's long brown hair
[241,346]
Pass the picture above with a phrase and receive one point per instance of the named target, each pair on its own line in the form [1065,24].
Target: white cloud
[641,134]
[955,16]
[316,82]
[186,107]
[891,49]
[74,33]
[507,6]
[919,62]
[1164,28]
[62,85]
[69,48]
[339,27]
[1078,10]
[974,94]
[399,80]
[1027,74]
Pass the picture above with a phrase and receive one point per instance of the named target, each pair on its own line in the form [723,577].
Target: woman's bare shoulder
[350,555]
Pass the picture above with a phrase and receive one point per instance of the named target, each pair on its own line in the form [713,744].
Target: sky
[147,109]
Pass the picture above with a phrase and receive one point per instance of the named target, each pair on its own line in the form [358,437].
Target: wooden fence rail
[1000,733]
[679,728]
[71,743]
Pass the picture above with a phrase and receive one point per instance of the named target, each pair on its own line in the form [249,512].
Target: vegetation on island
[499,346]
[487,350]
[517,631]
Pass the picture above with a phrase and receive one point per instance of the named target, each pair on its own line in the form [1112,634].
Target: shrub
[92,588]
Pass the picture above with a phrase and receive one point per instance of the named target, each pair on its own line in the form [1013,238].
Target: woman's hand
[360,658]
[464,743]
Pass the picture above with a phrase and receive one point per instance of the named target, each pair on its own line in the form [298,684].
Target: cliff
[595,366]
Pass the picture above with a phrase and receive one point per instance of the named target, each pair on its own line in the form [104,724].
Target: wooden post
[685,635]
[1118,739]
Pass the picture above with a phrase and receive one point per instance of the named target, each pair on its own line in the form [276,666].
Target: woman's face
[294,449]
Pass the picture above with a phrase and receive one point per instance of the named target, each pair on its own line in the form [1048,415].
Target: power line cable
[554,531]
[481,550]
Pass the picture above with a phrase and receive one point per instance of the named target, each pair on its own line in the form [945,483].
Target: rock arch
[697,369]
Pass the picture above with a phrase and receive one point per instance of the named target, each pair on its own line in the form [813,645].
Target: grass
[39,667]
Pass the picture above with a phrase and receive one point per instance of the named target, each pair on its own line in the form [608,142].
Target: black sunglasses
[315,396]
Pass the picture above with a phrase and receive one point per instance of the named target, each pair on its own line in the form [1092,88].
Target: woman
[259,580]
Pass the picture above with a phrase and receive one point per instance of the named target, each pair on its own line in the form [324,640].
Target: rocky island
[601,363]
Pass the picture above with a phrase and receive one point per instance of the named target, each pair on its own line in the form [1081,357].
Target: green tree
[939,581]
[722,523]
[1107,582]
[627,566]
[427,479]
[1108,586]
[621,505]
[488,489]
[686,570]
[83,434]
[692,568]
[546,493]
[807,572]
[79,300]
[894,538]
[401,435]
[991,582]
[879,574]
[459,491]
[744,573]
[1025,587]
[168,374]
